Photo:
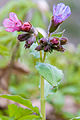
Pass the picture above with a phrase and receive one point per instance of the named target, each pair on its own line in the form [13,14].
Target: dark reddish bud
[59,48]
[26,45]
[52,25]
[54,41]
[26,27]
[47,48]
[30,41]
[23,37]
[38,48]
[63,41]
[43,41]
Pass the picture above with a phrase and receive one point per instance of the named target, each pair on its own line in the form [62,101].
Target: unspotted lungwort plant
[53,41]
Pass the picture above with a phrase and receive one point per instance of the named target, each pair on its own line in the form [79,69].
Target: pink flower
[26,27]
[12,23]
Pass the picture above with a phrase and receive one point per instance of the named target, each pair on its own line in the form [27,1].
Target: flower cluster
[14,24]
[48,44]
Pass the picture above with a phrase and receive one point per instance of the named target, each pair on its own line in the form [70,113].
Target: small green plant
[39,46]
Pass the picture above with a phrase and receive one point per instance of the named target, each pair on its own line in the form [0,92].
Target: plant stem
[41,56]
[44,56]
[43,111]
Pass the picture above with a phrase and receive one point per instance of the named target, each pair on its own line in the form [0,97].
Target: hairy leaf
[30,117]
[18,112]
[59,34]
[52,74]
[22,101]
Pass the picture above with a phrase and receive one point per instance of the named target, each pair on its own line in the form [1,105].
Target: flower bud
[54,41]
[26,27]
[52,27]
[23,37]
[59,48]
[43,41]
[47,48]
[63,41]
[30,41]
[38,48]
[26,45]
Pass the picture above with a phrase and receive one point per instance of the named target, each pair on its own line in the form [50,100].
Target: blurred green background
[24,79]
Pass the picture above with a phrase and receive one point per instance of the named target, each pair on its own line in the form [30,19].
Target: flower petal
[13,17]
[59,8]
[57,19]
[8,23]
[66,13]
[10,29]
[54,9]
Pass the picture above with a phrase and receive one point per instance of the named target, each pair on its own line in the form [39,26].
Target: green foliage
[22,101]
[46,88]
[18,113]
[70,63]
[4,50]
[27,86]
[30,117]
[59,34]
[76,118]
[68,115]
[36,19]
[4,118]
[52,74]
[39,36]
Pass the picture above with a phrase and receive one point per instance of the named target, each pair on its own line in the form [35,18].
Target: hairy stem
[43,111]
[44,56]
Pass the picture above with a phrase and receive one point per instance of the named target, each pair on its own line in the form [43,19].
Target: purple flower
[12,23]
[60,13]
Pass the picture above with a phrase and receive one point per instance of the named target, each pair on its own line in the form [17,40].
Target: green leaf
[46,88]
[18,112]
[76,118]
[4,50]
[30,117]
[12,109]
[4,118]
[59,34]
[52,74]
[39,36]
[22,101]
